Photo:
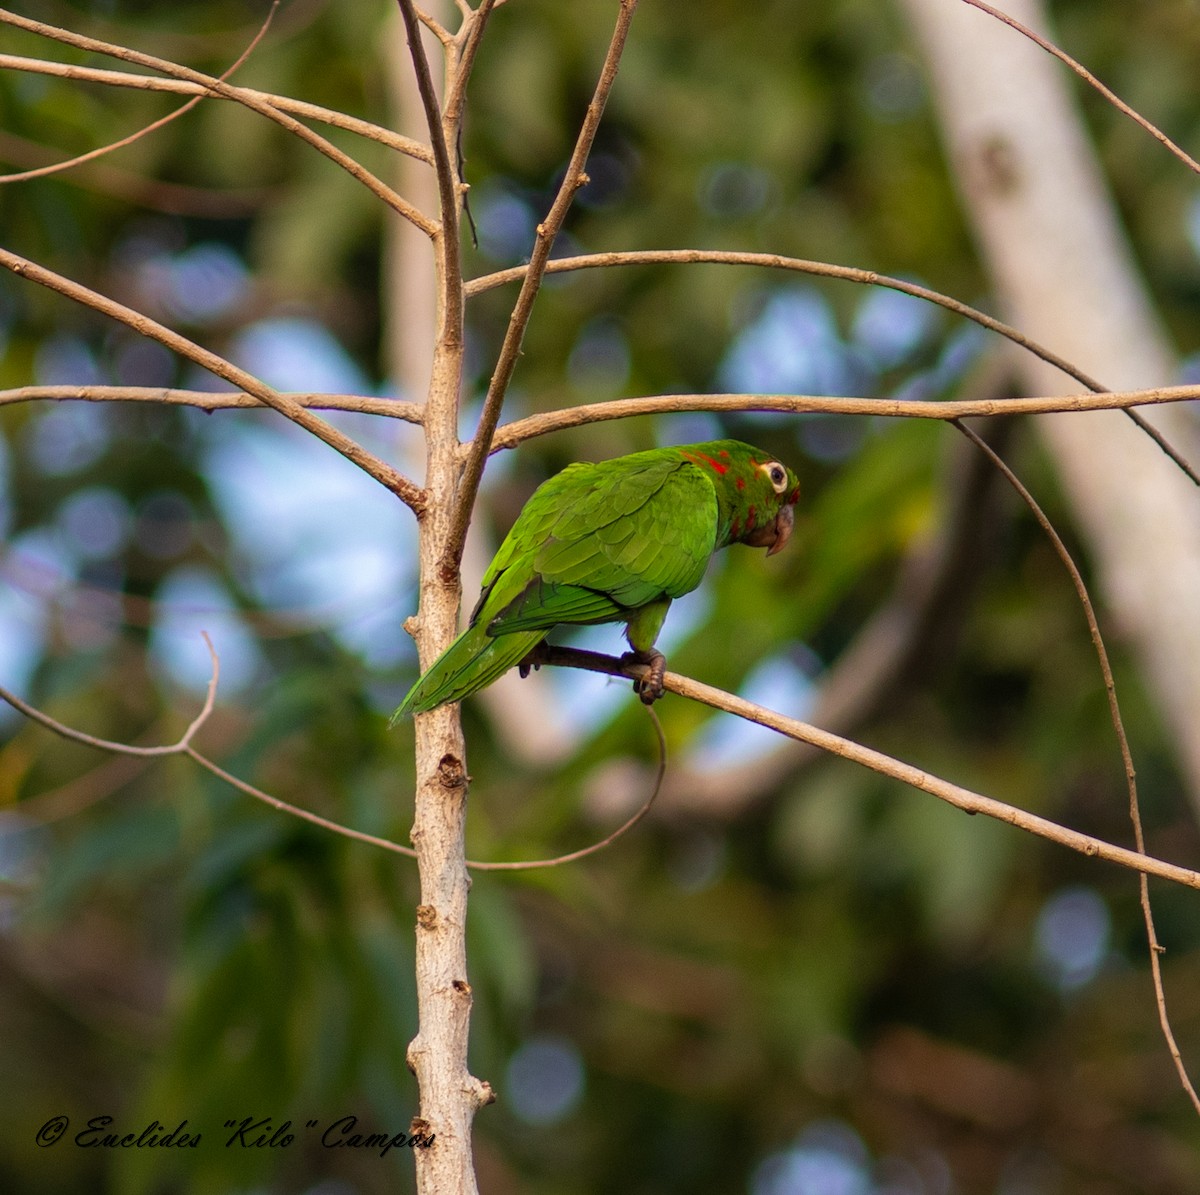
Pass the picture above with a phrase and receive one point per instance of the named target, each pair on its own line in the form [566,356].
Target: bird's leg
[650,687]
[641,630]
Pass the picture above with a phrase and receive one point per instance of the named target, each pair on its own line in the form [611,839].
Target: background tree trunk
[1063,270]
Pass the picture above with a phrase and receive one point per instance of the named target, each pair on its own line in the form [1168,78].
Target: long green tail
[471,662]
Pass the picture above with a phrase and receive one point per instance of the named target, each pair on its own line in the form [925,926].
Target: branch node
[427,917]
[451,774]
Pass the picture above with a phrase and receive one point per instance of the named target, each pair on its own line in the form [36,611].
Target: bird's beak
[785,520]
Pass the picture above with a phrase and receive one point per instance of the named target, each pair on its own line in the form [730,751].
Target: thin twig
[451,279]
[176,199]
[573,178]
[384,473]
[1110,687]
[178,747]
[294,810]
[470,34]
[329,116]
[607,840]
[433,25]
[100,151]
[354,168]
[828,270]
[1091,80]
[877,761]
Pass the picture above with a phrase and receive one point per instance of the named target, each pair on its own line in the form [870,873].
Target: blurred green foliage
[840,982]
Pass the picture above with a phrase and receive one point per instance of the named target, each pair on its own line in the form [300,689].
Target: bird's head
[756,493]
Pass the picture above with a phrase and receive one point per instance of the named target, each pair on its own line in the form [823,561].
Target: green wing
[597,542]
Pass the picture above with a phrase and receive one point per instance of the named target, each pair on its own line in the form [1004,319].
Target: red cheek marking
[794,496]
[752,516]
[735,529]
[724,454]
[741,483]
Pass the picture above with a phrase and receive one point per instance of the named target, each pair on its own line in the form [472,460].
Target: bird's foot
[650,687]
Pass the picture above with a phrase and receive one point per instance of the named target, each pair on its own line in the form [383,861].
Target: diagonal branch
[1091,80]
[354,168]
[547,231]
[385,474]
[100,151]
[876,761]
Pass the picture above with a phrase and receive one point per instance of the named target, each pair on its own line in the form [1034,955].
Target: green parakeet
[613,542]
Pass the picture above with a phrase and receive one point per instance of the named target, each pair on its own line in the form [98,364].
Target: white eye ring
[776,474]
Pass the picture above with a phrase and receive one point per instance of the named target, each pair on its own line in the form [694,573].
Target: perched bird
[613,542]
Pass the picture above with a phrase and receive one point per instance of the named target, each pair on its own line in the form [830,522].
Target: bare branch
[1090,80]
[329,116]
[209,400]
[547,231]
[42,171]
[294,810]
[469,35]
[434,26]
[519,430]
[1110,688]
[448,193]
[181,746]
[828,270]
[876,761]
[608,839]
[178,199]
[355,169]
[387,476]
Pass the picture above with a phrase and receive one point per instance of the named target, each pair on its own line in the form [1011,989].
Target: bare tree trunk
[425,350]
[1064,272]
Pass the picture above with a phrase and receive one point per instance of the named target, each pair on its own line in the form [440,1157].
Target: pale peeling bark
[1064,271]
[425,346]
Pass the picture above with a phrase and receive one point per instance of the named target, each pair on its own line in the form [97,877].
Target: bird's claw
[650,687]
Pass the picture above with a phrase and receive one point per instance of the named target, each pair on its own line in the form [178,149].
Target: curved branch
[376,185]
[573,178]
[1110,688]
[843,273]
[181,746]
[876,761]
[509,435]
[1091,80]
[387,476]
[799,265]
[608,839]
[329,116]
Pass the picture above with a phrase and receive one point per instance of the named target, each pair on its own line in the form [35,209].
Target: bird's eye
[778,475]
